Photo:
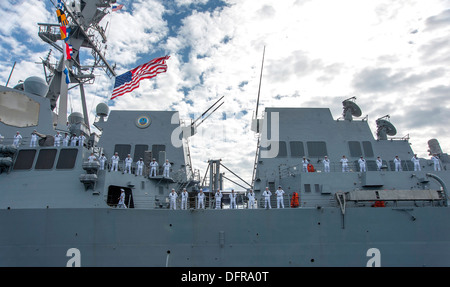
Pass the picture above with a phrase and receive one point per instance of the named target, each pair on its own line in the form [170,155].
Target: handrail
[442,183]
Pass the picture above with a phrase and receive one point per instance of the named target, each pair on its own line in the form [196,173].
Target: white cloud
[134,32]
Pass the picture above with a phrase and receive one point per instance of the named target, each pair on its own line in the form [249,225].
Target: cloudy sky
[393,56]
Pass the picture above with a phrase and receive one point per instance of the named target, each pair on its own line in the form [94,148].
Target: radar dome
[36,86]
[75,118]
[102,110]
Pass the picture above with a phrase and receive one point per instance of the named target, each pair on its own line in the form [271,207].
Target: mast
[83,32]
[256,123]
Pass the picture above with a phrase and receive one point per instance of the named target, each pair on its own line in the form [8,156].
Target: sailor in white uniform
[379,163]
[233,196]
[66,140]
[326,164]
[33,139]
[114,161]
[128,162]
[280,194]
[92,158]
[121,203]
[166,167]
[81,139]
[398,163]
[304,164]
[266,193]
[416,162]
[184,198]
[436,162]
[153,166]
[58,138]
[17,139]
[362,164]
[73,140]
[201,199]
[102,161]
[140,166]
[173,199]
[344,162]
[251,199]
[218,197]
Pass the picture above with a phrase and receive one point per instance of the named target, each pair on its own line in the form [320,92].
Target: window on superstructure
[367,146]
[307,188]
[46,159]
[156,152]
[317,187]
[282,149]
[355,148]
[24,159]
[67,158]
[139,151]
[317,149]
[297,149]
[123,150]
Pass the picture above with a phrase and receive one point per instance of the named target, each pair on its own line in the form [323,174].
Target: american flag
[129,81]
[116,7]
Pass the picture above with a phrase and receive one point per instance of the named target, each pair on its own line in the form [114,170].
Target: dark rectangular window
[156,149]
[307,188]
[317,187]
[139,151]
[67,158]
[282,149]
[355,148]
[46,159]
[297,149]
[367,146]
[123,150]
[317,149]
[25,159]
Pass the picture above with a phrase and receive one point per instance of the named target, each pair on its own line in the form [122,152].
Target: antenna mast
[256,123]
[260,80]
[82,31]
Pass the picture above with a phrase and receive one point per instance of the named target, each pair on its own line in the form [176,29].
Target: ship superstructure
[291,135]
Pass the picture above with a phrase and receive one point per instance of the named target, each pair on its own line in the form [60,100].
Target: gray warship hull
[276,237]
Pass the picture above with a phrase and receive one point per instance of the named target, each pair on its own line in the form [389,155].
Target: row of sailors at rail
[379,162]
[218,199]
[128,162]
[65,140]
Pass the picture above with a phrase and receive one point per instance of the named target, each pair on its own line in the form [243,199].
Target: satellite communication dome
[385,128]
[102,110]
[36,86]
[75,118]
[388,126]
[351,109]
